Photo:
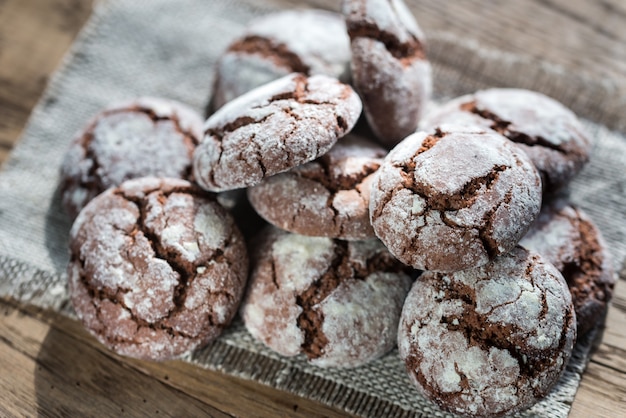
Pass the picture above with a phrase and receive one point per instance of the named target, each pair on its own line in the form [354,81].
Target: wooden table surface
[51,367]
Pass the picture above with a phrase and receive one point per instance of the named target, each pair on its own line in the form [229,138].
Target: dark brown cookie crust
[543,128]
[335,301]
[154,137]
[569,239]
[389,66]
[453,200]
[273,128]
[328,197]
[488,341]
[157,268]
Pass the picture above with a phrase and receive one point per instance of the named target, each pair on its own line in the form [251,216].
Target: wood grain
[53,368]
[74,375]
[34,35]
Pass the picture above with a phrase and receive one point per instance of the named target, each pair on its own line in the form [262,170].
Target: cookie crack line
[278,53]
[461,199]
[497,335]
[342,268]
[405,52]
[170,257]
[220,132]
[310,319]
[101,294]
[335,184]
[503,128]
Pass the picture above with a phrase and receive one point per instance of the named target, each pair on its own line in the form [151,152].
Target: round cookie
[327,197]
[389,66]
[273,128]
[273,46]
[568,238]
[453,200]
[338,302]
[157,268]
[547,131]
[488,341]
[139,138]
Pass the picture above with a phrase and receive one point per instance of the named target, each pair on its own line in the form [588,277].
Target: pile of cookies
[380,225]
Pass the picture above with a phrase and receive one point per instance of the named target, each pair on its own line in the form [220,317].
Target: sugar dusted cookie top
[543,128]
[273,128]
[304,41]
[326,197]
[488,341]
[157,268]
[453,200]
[143,137]
[338,302]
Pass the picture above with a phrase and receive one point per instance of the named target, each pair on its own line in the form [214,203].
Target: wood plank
[73,379]
[34,35]
[70,365]
[602,393]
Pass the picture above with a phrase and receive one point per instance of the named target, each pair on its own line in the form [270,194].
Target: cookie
[569,239]
[453,200]
[157,268]
[338,302]
[488,341]
[273,46]
[389,66]
[278,126]
[327,197]
[547,131]
[139,138]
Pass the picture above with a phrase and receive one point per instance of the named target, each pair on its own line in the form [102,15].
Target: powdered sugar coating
[453,200]
[143,137]
[157,268]
[273,128]
[569,239]
[308,41]
[337,302]
[547,131]
[389,67]
[325,197]
[491,340]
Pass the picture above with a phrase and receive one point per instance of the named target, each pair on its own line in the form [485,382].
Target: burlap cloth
[166,48]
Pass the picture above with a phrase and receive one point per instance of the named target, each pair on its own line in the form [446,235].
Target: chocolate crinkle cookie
[157,268]
[273,128]
[273,46]
[488,341]
[139,138]
[551,134]
[569,239]
[338,302]
[454,199]
[389,66]
[326,197]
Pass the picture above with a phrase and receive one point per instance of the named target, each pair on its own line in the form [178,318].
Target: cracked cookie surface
[273,128]
[140,138]
[549,133]
[569,239]
[453,200]
[278,44]
[326,197]
[338,302]
[389,66]
[157,268]
[491,340]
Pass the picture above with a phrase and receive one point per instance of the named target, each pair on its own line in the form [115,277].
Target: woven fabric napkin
[168,49]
